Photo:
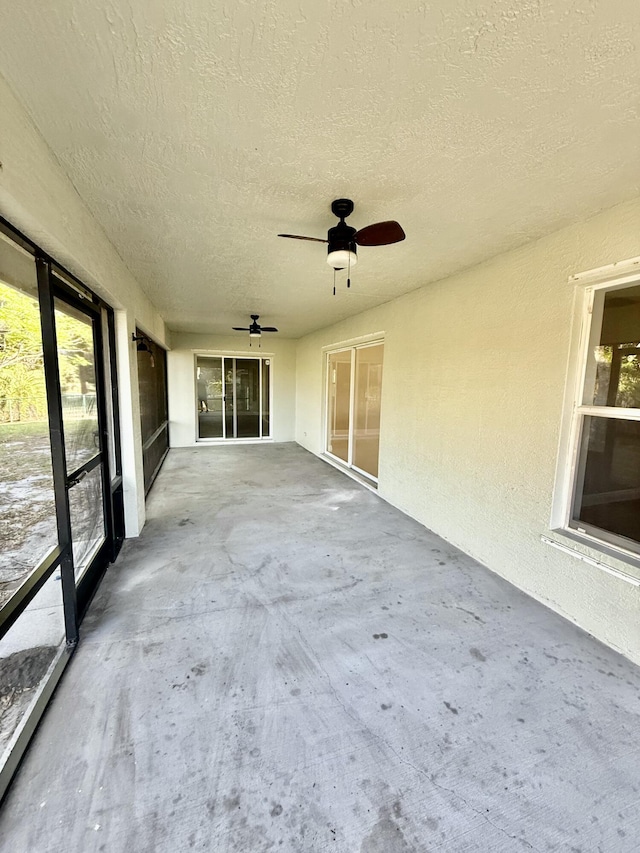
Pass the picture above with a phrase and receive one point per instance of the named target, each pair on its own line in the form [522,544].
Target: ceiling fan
[255,329]
[343,240]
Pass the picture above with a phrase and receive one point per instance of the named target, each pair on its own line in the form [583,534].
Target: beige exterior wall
[38,198]
[472,402]
[182,387]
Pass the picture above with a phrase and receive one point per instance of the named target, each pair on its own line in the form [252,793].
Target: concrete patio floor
[284,662]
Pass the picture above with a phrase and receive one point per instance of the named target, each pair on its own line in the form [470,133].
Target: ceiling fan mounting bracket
[342,207]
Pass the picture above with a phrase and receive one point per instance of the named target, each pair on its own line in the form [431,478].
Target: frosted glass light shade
[341,259]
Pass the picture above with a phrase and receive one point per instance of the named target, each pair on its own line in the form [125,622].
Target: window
[603,501]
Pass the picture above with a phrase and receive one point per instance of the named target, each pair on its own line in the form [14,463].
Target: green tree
[22,387]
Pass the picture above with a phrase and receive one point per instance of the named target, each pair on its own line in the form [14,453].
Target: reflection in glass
[248,397]
[615,358]
[28,528]
[87,519]
[366,433]
[229,391]
[210,397]
[266,421]
[27,652]
[229,420]
[609,471]
[339,404]
[76,360]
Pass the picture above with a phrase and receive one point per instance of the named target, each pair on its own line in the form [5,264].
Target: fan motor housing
[341,237]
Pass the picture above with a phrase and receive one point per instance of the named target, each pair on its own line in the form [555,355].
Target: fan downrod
[342,207]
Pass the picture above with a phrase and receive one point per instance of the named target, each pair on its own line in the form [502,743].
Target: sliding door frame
[53,281]
[233,357]
[352,403]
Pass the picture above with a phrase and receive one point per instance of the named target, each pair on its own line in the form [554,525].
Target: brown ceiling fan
[343,240]
[255,329]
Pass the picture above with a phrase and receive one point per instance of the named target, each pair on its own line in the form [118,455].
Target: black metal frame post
[58,452]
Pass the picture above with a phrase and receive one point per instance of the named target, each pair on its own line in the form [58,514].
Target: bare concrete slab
[283,662]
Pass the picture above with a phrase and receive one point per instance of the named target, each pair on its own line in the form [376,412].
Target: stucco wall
[38,198]
[182,391]
[472,402]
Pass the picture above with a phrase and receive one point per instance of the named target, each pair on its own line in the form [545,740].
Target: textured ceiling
[196,131]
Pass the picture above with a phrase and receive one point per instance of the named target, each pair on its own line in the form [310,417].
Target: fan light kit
[255,329]
[343,240]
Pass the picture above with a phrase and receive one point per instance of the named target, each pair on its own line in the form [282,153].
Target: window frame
[617,551]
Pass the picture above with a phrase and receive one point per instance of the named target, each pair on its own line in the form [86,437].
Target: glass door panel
[266,420]
[366,433]
[233,397]
[27,502]
[76,362]
[86,509]
[354,386]
[28,651]
[247,400]
[77,334]
[210,397]
[339,408]
[228,400]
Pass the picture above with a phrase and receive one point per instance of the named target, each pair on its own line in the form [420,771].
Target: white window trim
[611,557]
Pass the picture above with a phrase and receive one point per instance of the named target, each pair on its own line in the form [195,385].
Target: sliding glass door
[61,504]
[233,397]
[353,407]
[77,343]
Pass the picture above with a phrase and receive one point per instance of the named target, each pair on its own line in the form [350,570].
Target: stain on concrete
[386,837]
[380,636]
[451,708]
[477,654]
[276,811]
[295,692]
[232,802]
[385,707]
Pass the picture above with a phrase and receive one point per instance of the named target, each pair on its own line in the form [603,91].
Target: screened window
[154,417]
[605,500]
[27,508]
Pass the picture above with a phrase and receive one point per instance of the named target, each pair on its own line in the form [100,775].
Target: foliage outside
[22,387]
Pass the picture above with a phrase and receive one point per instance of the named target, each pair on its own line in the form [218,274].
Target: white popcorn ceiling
[197,130]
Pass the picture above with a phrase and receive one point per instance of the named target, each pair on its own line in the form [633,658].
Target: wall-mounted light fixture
[143,345]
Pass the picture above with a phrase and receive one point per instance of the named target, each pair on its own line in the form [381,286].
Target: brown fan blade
[240,328]
[298,237]
[380,234]
[268,329]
